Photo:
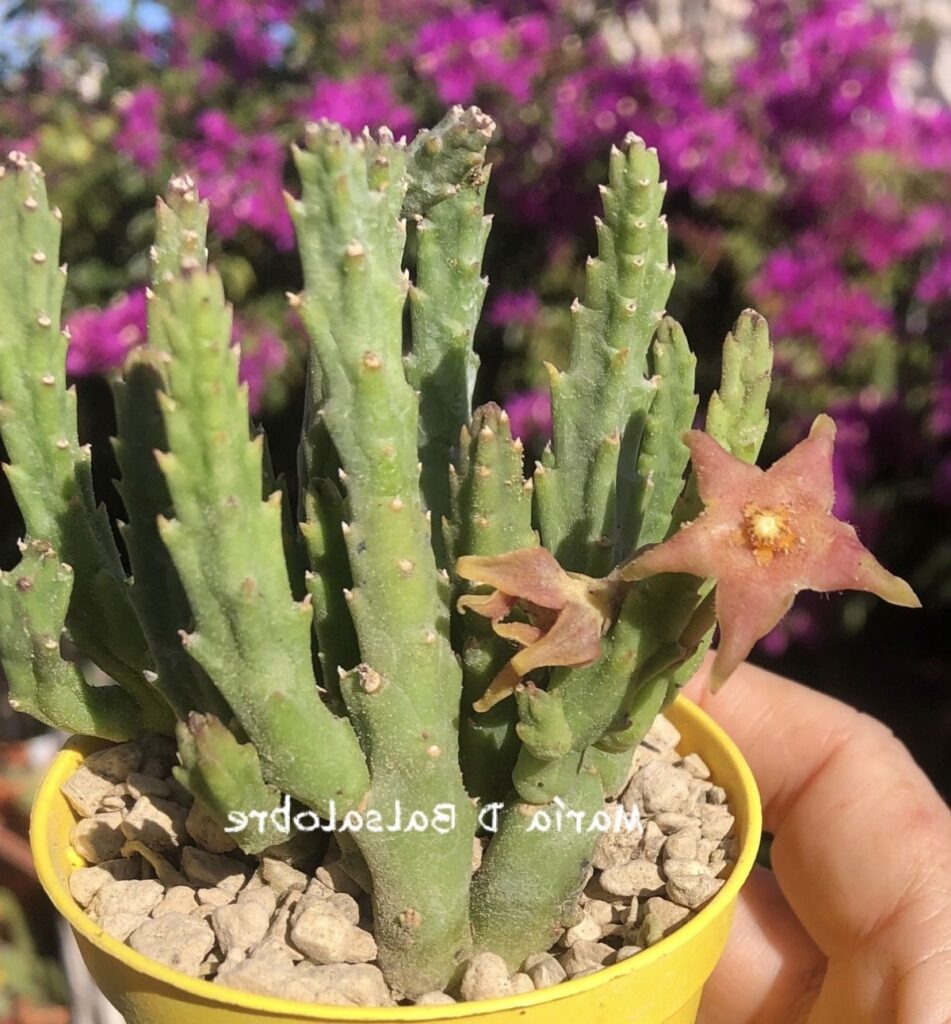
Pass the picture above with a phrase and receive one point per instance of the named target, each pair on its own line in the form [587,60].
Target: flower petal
[720,475]
[574,639]
[745,614]
[520,632]
[532,574]
[803,476]
[846,564]
[696,548]
[501,687]
[493,606]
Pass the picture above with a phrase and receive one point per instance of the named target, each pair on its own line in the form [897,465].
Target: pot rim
[66,763]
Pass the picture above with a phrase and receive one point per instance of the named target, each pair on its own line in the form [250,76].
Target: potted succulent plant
[399,743]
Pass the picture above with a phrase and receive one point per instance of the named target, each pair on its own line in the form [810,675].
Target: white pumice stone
[673,821]
[213,869]
[159,824]
[638,878]
[683,844]
[485,977]
[239,926]
[345,984]
[521,984]
[84,883]
[139,785]
[584,955]
[652,842]
[131,897]
[696,765]
[692,891]
[175,940]
[212,896]
[668,914]
[85,791]
[98,838]
[715,821]
[326,938]
[675,867]
[206,832]
[180,899]
[586,930]
[115,763]
[121,924]
[434,999]
[282,876]
[663,788]
[544,970]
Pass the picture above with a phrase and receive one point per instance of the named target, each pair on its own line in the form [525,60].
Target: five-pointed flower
[764,536]
[567,612]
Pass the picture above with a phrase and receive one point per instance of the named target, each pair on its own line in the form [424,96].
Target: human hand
[853,925]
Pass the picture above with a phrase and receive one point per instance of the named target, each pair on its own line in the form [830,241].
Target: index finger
[862,840]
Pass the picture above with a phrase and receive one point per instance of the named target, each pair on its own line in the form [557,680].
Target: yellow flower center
[768,531]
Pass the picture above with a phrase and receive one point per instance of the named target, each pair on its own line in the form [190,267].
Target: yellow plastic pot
[662,985]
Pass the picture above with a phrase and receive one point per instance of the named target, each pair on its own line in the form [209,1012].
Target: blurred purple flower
[242,177]
[941,410]
[808,295]
[263,356]
[463,51]
[821,68]
[366,99]
[100,339]
[517,308]
[257,29]
[934,285]
[139,136]
[530,415]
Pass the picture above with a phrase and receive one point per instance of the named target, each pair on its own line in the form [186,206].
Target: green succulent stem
[50,472]
[403,698]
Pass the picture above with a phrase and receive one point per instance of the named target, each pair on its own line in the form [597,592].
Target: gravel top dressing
[167,880]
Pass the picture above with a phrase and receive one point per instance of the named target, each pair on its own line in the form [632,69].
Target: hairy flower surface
[567,612]
[765,535]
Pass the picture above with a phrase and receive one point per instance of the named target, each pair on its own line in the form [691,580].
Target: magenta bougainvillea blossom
[140,133]
[361,101]
[462,52]
[765,535]
[831,308]
[242,177]
[513,307]
[100,339]
[530,414]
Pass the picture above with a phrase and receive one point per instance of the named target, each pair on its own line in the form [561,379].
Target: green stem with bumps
[50,473]
[444,305]
[599,402]
[33,602]
[491,514]
[252,638]
[403,698]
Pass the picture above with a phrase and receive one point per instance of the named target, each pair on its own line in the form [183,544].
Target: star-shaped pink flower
[764,536]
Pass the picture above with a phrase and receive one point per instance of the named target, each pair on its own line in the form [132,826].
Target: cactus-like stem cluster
[421,630]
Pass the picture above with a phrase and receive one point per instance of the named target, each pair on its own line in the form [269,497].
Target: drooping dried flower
[567,612]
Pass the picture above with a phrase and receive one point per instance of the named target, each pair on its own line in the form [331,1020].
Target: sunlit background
[808,151]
